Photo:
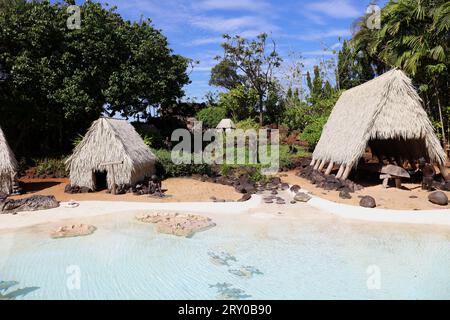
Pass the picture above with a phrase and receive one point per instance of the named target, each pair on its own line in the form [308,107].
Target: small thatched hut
[226,125]
[8,165]
[112,152]
[385,114]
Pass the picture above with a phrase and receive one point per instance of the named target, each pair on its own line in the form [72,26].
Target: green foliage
[51,167]
[248,124]
[211,116]
[60,80]
[313,130]
[77,140]
[295,117]
[167,168]
[239,102]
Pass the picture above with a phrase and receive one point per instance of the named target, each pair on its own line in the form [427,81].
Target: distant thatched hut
[385,114]
[8,165]
[112,152]
[226,125]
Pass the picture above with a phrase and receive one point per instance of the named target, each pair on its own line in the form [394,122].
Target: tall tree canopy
[55,81]
[415,37]
[248,62]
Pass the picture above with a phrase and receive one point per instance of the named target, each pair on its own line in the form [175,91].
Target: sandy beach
[178,190]
[391,198]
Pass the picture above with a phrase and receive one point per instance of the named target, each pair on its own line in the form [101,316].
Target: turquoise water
[260,256]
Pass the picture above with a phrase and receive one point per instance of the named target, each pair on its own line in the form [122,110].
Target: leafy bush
[313,130]
[211,116]
[51,167]
[248,123]
[295,117]
[151,136]
[167,168]
[239,102]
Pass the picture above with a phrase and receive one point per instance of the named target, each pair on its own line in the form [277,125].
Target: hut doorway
[100,180]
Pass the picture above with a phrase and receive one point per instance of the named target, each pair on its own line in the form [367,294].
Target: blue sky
[194,28]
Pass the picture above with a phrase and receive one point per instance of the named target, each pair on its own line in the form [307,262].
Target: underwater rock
[181,225]
[74,230]
[221,258]
[227,292]
[367,202]
[438,197]
[295,188]
[32,203]
[245,272]
[245,197]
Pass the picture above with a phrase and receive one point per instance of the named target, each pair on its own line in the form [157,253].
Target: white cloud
[205,41]
[249,5]
[335,8]
[318,53]
[323,34]
[223,25]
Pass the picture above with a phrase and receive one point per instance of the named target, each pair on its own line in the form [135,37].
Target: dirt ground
[390,198]
[178,190]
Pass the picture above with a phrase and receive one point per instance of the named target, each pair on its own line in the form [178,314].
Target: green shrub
[211,116]
[313,130]
[295,117]
[248,123]
[51,167]
[167,168]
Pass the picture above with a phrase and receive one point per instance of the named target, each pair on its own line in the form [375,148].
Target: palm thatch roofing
[385,113]
[226,124]
[8,165]
[114,146]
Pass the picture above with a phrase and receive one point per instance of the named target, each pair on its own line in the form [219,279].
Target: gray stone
[295,188]
[302,197]
[32,203]
[367,202]
[343,194]
[438,197]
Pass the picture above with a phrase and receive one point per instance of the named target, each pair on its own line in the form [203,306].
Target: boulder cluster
[32,203]
[75,189]
[330,182]
[182,225]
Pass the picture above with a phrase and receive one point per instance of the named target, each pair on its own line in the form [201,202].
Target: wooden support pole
[313,162]
[347,171]
[318,163]
[444,172]
[341,171]
[329,168]
[322,164]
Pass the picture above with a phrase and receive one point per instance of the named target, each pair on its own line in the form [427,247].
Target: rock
[367,202]
[302,197]
[76,230]
[343,194]
[295,188]
[276,180]
[32,203]
[438,197]
[293,202]
[284,186]
[3,196]
[413,197]
[213,198]
[245,197]
[268,201]
[274,192]
[182,225]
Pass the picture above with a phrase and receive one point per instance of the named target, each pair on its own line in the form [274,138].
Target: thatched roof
[226,124]
[8,165]
[387,107]
[108,141]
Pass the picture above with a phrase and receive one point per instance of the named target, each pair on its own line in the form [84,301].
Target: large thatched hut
[8,165]
[111,153]
[385,114]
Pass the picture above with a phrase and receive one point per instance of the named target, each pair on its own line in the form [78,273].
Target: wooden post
[322,164]
[347,171]
[341,171]
[330,167]
[318,163]
[313,161]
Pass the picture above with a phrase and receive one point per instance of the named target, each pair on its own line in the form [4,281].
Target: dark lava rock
[276,180]
[293,201]
[3,196]
[268,201]
[343,194]
[284,186]
[295,188]
[367,202]
[438,197]
[274,192]
[32,203]
[413,197]
[245,197]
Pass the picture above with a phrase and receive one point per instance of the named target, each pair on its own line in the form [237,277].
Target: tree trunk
[261,118]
